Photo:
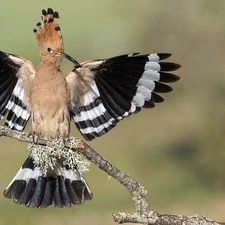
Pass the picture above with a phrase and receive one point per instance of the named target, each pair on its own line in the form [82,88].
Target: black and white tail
[62,187]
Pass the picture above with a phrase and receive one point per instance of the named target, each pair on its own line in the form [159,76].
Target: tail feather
[57,201]
[62,187]
[48,196]
[27,192]
[72,195]
[64,193]
[38,193]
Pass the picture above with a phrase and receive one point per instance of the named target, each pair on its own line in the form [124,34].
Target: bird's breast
[49,105]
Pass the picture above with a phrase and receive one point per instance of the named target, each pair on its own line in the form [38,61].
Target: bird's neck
[48,69]
[49,64]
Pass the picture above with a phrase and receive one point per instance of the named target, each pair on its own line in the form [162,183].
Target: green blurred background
[176,150]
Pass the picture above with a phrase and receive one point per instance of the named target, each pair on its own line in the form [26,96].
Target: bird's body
[96,95]
[50,116]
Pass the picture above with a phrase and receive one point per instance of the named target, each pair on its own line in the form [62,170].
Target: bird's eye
[49,49]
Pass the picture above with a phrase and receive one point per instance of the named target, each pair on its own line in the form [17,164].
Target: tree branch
[145,214]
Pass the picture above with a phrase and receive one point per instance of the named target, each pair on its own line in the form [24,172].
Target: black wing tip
[175,78]
[163,56]
[169,66]
[149,104]
[162,88]
[156,98]
[168,77]
[174,66]
[177,66]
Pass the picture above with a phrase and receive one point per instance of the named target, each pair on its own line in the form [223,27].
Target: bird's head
[49,38]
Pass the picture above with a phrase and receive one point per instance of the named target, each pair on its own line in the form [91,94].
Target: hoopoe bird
[95,95]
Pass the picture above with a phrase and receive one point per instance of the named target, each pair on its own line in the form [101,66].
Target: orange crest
[48,33]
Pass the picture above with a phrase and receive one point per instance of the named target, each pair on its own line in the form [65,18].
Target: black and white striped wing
[16,73]
[121,86]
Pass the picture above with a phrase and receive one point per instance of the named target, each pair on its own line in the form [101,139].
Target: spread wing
[16,74]
[106,91]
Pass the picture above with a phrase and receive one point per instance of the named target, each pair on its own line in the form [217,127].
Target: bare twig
[145,214]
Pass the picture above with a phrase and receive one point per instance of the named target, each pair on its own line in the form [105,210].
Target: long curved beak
[71,59]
